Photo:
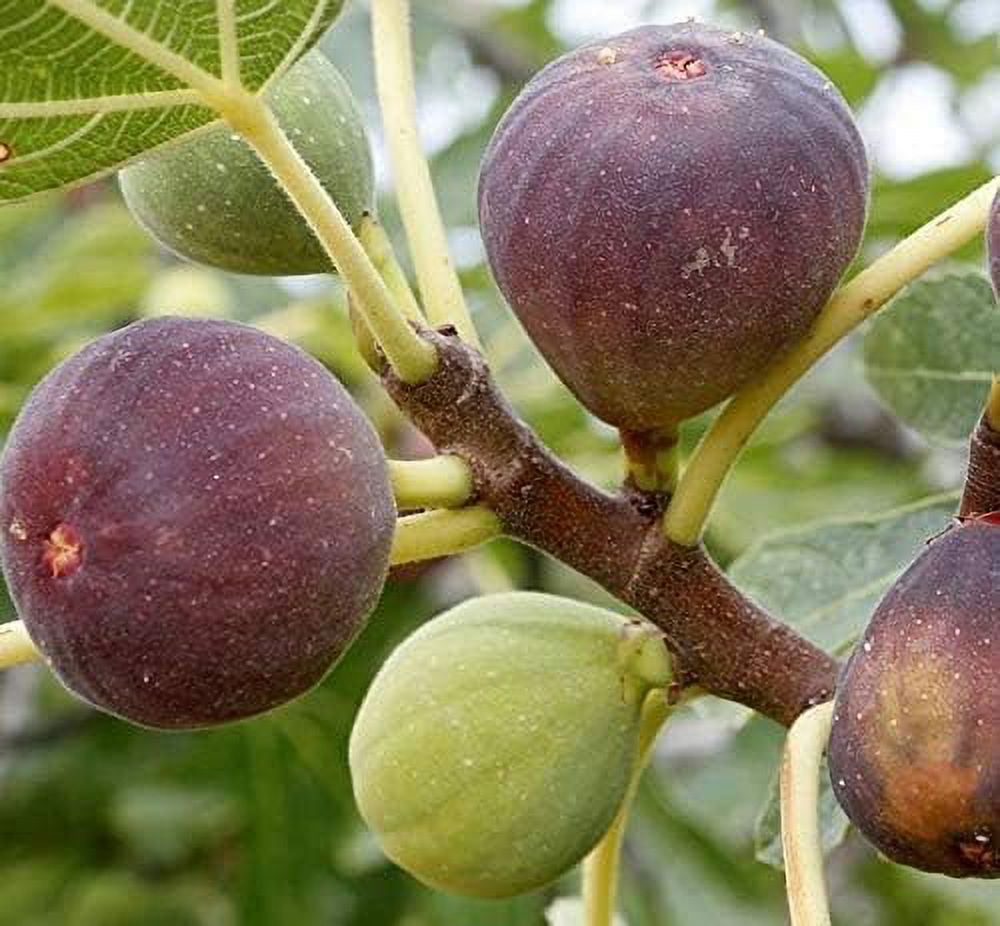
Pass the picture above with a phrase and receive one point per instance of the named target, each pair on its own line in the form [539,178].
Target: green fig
[496,743]
[211,200]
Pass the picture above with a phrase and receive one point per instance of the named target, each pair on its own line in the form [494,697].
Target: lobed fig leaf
[666,211]
[196,521]
[915,747]
[210,199]
[496,743]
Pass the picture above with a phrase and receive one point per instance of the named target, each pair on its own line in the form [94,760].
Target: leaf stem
[600,868]
[379,249]
[440,482]
[800,836]
[413,358]
[444,301]
[850,305]
[16,647]
[442,533]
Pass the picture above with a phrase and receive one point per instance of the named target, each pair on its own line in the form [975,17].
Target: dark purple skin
[666,211]
[196,521]
[915,748]
[993,244]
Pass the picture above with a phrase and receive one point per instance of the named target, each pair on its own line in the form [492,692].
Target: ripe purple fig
[667,211]
[196,521]
[915,748]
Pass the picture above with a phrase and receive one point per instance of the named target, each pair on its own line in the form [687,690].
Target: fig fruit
[496,743]
[915,749]
[196,521]
[211,200]
[668,210]
[993,244]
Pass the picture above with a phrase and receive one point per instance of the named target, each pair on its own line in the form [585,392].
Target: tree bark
[722,641]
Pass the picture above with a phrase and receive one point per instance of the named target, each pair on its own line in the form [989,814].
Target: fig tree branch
[800,835]
[413,358]
[444,301]
[724,642]
[16,647]
[442,533]
[440,482]
[850,306]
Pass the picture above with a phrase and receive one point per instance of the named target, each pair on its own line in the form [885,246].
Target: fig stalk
[982,482]
[440,482]
[413,359]
[852,304]
[600,868]
[16,647]
[800,834]
[652,459]
[442,533]
[440,287]
[379,249]
[993,405]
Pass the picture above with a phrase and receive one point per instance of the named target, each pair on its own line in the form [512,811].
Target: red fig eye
[679,65]
[63,551]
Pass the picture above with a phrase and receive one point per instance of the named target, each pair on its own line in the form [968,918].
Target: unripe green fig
[210,199]
[666,211]
[496,743]
[915,747]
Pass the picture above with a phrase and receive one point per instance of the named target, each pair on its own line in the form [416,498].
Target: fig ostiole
[915,746]
[495,745]
[211,200]
[667,210]
[196,521]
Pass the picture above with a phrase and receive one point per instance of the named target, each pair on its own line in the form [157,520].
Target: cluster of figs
[197,519]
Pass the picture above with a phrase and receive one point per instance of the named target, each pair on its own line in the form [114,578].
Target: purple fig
[196,521]
[667,211]
[915,748]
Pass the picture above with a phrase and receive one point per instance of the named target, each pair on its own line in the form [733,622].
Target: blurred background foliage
[105,825]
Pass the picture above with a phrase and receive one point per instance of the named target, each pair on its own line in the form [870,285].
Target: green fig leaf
[932,354]
[833,823]
[87,85]
[825,579]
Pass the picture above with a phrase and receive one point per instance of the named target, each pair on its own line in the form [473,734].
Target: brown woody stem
[651,460]
[723,642]
[982,484]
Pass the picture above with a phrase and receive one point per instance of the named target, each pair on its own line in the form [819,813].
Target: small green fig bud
[915,744]
[496,744]
[210,199]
